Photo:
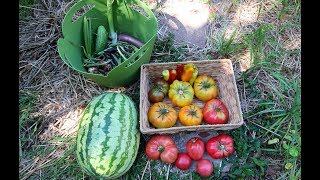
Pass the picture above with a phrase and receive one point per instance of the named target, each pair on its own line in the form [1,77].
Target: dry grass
[62,93]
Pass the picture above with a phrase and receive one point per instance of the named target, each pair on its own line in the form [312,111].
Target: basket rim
[164,130]
[185,62]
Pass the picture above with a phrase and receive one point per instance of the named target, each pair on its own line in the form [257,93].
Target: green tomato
[159,91]
[162,85]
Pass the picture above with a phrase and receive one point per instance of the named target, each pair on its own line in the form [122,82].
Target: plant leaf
[273,141]
[285,145]
[288,137]
[288,166]
[237,172]
[293,151]
[259,162]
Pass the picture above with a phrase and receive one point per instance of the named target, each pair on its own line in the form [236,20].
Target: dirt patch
[186,19]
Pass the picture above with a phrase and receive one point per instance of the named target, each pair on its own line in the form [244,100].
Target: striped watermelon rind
[108,138]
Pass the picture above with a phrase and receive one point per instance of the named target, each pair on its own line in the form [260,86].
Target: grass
[268,145]
[32,149]
[28,126]
[24,8]
[271,134]
[272,129]
[255,41]
[225,46]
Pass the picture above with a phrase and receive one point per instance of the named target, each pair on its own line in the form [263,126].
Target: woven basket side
[227,96]
[144,102]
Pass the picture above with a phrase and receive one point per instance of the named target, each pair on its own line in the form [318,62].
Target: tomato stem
[192,112]
[217,109]
[164,111]
[160,148]
[221,146]
[194,139]
[206,85]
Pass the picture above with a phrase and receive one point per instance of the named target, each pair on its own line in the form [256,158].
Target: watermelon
[108,137]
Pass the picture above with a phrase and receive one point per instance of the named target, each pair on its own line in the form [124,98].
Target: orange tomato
[205,88]
[161,115]
[190,115]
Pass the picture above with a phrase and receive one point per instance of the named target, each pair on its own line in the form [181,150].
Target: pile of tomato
[181,85]
[162,147]
[181,89]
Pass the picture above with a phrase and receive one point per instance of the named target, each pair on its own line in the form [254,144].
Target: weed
[248,162]
[289,7]
[255,41]
[164,50]
[280,122]
[27,125]
[31,148]
[224,45]
[26,102]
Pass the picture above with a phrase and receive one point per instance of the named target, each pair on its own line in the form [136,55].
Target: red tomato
[195,148]
[215,112]
[220,146]
[183,161]
[162,147]
[204,167]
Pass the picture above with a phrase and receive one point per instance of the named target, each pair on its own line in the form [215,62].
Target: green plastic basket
[127,20]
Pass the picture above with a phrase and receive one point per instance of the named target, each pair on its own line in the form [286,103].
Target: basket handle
[99,5]
[148,44]
[77,6]
[68,17]
[144,7]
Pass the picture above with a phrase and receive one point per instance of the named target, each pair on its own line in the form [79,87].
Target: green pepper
[169,75]
[194,75]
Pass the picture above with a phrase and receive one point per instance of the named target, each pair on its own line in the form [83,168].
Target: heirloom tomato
[158,91]
[190,115]
[195,148]
[181,93]
[215,112]
[205,88]
[162,147]
[161,115]
[220,146]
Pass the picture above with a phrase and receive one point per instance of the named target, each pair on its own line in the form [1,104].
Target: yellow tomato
[161,115]
[181,93]
[190,115]
[205,88]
